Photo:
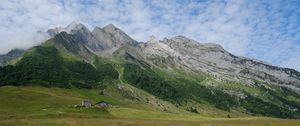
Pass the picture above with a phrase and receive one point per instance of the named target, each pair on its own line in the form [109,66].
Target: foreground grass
[145,122]
[38,106]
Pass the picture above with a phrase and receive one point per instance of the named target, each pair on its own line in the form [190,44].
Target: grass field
[38,106]
[145,122]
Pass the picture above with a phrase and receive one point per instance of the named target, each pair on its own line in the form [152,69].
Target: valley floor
[38,106]
[146,122]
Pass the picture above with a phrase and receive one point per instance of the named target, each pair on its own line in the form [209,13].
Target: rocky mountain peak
[152,39]
[213,59]
[117,33]
[180,37]
[190,42]
[112,37]
[110,28]
[99,40]
[214,46]
[71,28]
[75,26]
[208,57]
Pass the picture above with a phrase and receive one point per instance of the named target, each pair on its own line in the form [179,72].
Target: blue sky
[267,30]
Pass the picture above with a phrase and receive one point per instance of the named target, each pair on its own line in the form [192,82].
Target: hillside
[170,76]
[37,106]
[4,59]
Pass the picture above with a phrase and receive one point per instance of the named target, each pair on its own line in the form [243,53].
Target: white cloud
[22,40]
[293,62]
[260,29]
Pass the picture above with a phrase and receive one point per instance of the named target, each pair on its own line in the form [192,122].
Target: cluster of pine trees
[44,66]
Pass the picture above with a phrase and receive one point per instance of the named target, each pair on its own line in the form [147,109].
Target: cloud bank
[265,30]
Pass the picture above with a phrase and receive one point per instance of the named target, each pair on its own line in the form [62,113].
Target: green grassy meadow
[36,106]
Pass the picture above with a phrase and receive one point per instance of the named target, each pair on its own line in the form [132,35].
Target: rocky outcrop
[102,41]
[213,59]
[181,51]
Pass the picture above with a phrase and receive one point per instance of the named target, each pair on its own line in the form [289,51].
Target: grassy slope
[51,106]
[203,108]
[37,102]
[259,91]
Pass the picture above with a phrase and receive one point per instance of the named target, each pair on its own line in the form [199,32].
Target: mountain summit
[179,73]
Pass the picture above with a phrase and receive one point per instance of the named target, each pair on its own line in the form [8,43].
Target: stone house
[102,104]
[86,103]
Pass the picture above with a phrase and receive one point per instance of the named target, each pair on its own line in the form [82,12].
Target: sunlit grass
[144,122]
[39,106]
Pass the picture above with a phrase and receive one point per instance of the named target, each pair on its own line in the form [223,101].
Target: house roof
[102,102]
[86,100]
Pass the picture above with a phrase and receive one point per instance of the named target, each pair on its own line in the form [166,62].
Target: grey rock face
[70,43]
[214,60]
[101,40]
[112,38]
[71,28]
[184,52]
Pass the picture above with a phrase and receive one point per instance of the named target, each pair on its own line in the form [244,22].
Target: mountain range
[173,75]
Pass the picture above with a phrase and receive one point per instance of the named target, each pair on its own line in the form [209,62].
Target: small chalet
[86,103]
[102,104]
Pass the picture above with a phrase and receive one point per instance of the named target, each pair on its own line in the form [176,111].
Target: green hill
[31,105]
[45,83]
[57,63]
